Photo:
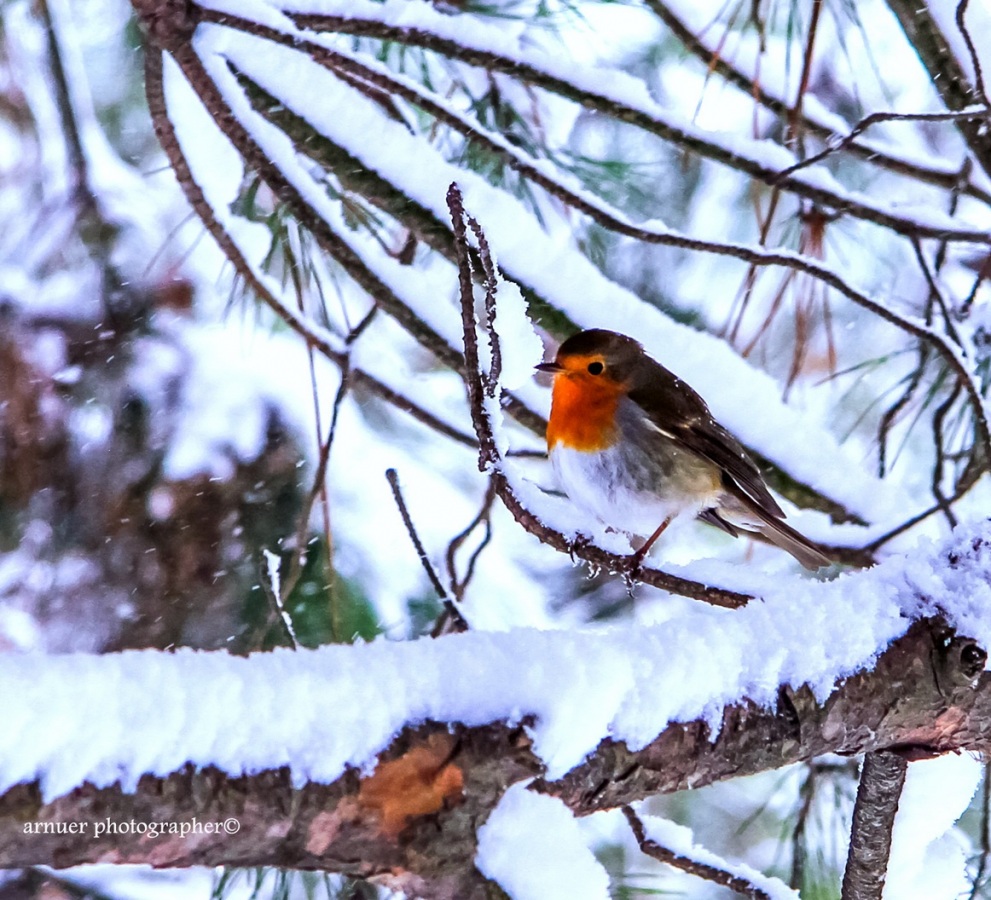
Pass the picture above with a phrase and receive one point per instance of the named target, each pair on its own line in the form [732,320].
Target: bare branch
[458,621]
[881,782]
[975,60]
[490,378]
[835,144]
[458,586]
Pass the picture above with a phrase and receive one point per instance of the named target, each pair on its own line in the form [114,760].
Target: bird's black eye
[595,368]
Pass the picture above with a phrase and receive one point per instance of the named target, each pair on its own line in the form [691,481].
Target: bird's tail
[782,535]
[794,542]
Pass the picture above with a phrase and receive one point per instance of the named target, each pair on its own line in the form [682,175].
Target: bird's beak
[552,367]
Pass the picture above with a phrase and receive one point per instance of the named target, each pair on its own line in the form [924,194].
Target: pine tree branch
[427,226]
[927,691]
[670,131]
[693,867]
[946,73]
[879,155]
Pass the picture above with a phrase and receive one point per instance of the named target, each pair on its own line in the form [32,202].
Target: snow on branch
[234,235]
[933,170]
[373,761]
[620,96]
[673,844]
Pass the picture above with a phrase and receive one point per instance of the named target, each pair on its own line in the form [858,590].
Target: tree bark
[881,783]
[412,823]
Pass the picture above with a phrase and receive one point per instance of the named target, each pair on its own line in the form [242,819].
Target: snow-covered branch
[891,658]
[884,154]
[630,106]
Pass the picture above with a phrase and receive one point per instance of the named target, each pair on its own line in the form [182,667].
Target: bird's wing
[678,412]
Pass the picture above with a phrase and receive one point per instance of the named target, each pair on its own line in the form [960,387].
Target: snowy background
[163,422]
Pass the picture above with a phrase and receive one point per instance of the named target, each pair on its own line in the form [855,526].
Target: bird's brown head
[596,355]
[592,370]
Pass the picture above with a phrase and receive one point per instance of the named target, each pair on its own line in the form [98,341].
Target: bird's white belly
[604,484]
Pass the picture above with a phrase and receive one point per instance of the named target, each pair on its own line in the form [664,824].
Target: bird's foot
[580,543]
[634,568]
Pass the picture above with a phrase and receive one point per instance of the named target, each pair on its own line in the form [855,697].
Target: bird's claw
[634,571]
[580,543]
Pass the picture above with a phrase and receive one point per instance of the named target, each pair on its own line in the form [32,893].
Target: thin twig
[835,143]
[881,782]
[452,610]
[693,867]
[892,413]
[877,543]
[798,851]
[795,120]
[323,453]
[458,586]
[273,590]
[488,453]
[975,60]
[490,378]
[937,427]
[319,480]
[935,293]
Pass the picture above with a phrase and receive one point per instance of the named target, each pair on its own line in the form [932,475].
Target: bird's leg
[637,558]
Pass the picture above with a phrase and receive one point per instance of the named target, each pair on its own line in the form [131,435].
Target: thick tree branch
[927,690]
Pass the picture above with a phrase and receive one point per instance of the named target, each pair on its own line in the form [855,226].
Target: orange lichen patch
[418,783]
[583,410]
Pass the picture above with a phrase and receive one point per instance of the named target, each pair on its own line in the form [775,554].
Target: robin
[635,446]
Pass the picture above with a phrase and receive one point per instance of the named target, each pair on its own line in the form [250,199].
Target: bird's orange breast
[583,412]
